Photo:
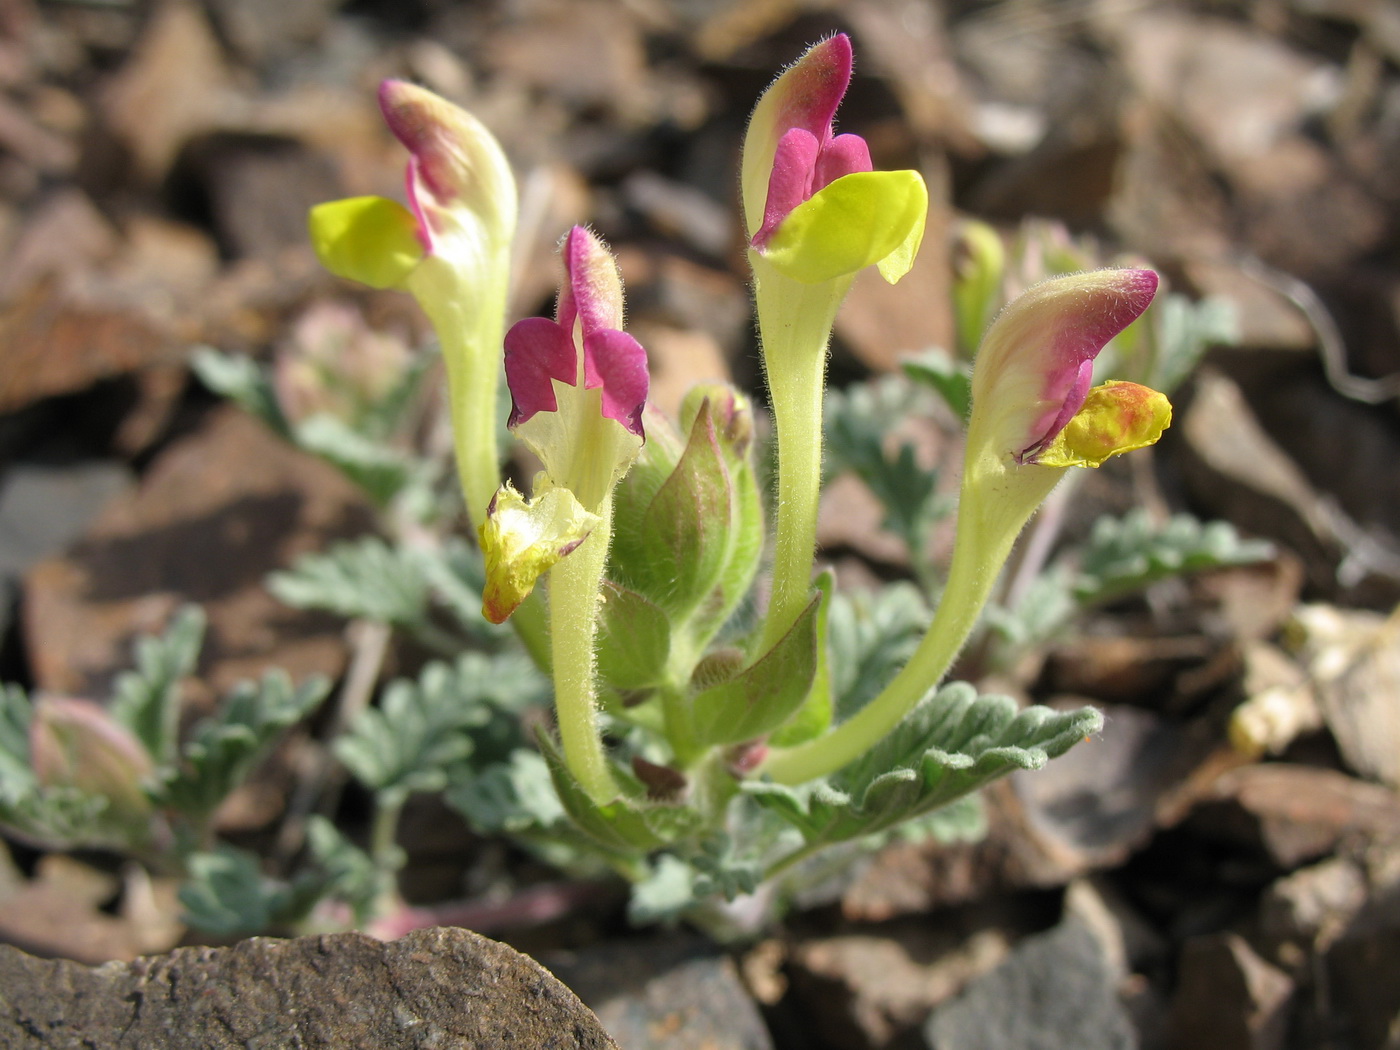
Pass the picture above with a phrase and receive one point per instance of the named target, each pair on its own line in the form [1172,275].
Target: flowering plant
[716,720]
[683,732]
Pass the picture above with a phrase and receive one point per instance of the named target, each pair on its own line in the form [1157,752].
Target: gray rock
[1055,991]
[439,988]
[665,995]
[1228,997]
[45,508]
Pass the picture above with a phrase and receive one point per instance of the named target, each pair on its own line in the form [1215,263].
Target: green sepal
[372,240]
[813,718]
[764,694]
[627,825]
[952,744]
[732,421]
[634,639]
[867,217]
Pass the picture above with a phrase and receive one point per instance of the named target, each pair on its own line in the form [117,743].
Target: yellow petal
[372,240]
[1116,417]
[522,539]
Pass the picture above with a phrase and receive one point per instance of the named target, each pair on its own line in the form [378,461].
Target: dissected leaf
[857,426]
[952,744]
[147,700]
[381,471]
[243,381]
[1128,553]
[224,748]
[225,893]
[869,638]
[365,578]
[422,729]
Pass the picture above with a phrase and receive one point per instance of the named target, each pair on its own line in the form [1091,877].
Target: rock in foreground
[433,988]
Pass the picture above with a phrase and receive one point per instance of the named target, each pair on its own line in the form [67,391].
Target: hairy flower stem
[574,585]
[994,507]
[472,359]
[794,322]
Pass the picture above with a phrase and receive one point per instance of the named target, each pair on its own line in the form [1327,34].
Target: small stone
[214,513]
[665,995]
[1228,998]
[1130,943]
[866,990]
[1055,990]
[1307,910]
[1295,813]
[1353,657]
[44,508]
[1236,471]
[1365,972]
[175,84]
[434,988]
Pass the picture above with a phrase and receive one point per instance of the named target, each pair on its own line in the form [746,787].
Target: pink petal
[824,73]
[592,289]
[617,363]
[1077,342]
[425,232]
[791,181]
[843,155]
[538,351]
[411,123]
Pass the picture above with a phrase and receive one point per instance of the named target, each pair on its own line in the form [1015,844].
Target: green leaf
[15,713]
[225,893]
[952,744]
[860,219]
[243,381]
[380,471]
[949,378]
[870,636]
[364,578]
[1129,553]
[423,729]
[343,872]
[763,695]
[514,797]
[147,700]
[55,816]
[1180,333]
[664,894]
[627,826]
[857,426]
[813,718]
[224,748]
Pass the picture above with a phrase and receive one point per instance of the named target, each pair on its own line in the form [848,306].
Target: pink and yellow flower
[578,385]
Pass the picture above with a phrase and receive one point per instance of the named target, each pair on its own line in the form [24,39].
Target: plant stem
[574,585]
[468,312]
[473,375]
[995,505]
[383,838]
[794,322]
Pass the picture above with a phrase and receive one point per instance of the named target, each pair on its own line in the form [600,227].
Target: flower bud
[76,744]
